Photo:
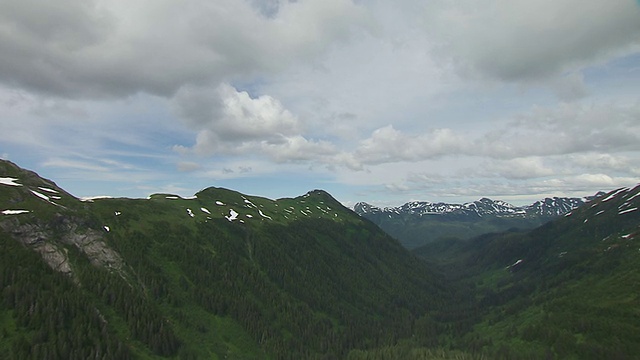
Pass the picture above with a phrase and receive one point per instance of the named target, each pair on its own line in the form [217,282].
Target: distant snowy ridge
[484,207]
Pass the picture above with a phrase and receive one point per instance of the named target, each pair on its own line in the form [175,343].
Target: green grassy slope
[566,290]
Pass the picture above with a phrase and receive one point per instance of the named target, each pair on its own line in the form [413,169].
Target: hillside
[419,223]
[567,290]
[218,275]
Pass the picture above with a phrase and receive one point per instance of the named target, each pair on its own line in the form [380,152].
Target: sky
[372,100]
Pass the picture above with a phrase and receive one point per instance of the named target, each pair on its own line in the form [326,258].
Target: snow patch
[232,215]
[205,210]
[219,203]
[190,213]
[614,194]
[263,215]
[172,197]
[14,212]
[599,212]
[249,216]
[40,195]
[91,198]
[106,228]
[47,190]
[9,181]
[628,236]
[634,196]
[516,263]
[117,213]
[627,211]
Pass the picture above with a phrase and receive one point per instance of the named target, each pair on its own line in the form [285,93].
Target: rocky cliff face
[48,220]
[51,241]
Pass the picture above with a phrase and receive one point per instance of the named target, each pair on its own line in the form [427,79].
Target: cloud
[570,87]
[187,166]
[519,168]
[387,144]
[91,49]
[232,122]
[521,140]
[604,162]
[522,40]
[225,115]
[566,129]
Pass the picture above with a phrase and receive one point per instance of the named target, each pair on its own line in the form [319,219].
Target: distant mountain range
[419,222]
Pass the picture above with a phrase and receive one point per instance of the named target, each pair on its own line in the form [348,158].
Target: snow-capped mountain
[418,223]
[555,206]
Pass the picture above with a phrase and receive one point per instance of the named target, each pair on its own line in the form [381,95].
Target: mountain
[417,223]
[223,275]
[217,275]
[567,289]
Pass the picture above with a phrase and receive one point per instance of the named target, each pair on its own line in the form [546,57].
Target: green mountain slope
[567,290]
[219,275]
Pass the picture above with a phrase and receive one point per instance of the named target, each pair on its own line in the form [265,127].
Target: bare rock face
[49,240]
[92,244]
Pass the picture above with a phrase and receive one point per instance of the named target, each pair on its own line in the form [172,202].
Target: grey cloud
[605,163]
[519,168]
[83,49]
[518,40]
[66,24]
[569,128]
[570,87]
[187,166]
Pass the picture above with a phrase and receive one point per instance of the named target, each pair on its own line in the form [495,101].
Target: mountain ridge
[216,275]
[482,207]
[417,223]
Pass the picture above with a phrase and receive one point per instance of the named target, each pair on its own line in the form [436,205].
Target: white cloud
[387,144]
[606,163]
[233,122]
[565,129]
